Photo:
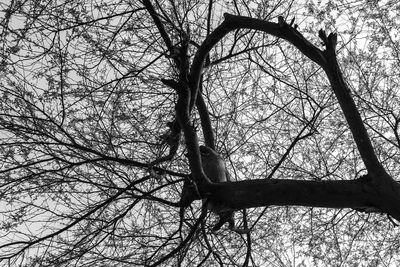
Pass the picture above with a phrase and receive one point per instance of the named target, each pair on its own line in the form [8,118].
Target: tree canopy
[104,105]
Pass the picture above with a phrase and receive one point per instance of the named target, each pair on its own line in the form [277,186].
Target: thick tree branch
[355,194]
[281,192]
[377,190]
[231,23]
[326,59]
[183,109]
[348,106]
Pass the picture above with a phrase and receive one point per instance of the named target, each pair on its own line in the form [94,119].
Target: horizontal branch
[356,194]
[280,192]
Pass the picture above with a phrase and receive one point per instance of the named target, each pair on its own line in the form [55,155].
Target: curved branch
[326,59]
[232,22]
[205,121]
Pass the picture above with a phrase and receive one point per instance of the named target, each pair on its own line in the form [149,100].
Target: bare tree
[104,107]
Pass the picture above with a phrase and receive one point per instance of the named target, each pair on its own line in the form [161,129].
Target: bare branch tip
[322,36]
[332,40]
[329,41]
[281,21]
[228,16]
